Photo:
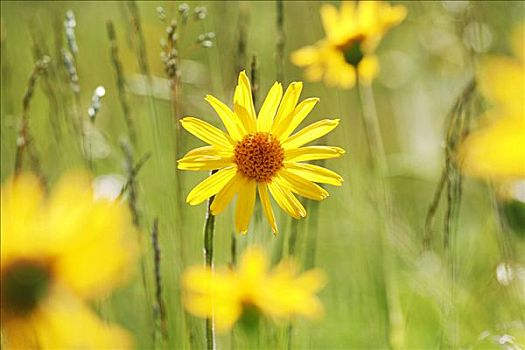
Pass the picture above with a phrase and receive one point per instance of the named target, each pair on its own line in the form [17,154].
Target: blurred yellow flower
[352,35]
[258,154]
[228,295]
[497,151]
[56,252]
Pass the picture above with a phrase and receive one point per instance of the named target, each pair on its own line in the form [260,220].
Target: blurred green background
[385,289]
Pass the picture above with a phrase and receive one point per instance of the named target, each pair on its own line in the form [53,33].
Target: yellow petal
[231,120]
[267,206]
[314,72]
[289,294]
[209,151]
[207,133]
[347,11]
[312,280]
[310,133]
[502,80]
[313,153]
[63,322]
[288,124]
[305,56]
[288,103]
[301,186]
[243,95]
[330,19]
[286,200]
[347,76]
[211,186]
[253,265]
[496,151]
[226,194]
[368,69]
[314,173]
[392,15]
[214,295]
[269,108]
[249,123]
[245,205]
[204,163]
[369,17]
[95,241]
[21,233]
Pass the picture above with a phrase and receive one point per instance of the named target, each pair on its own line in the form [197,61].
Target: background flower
[57,252]
[352,35]
[228,296]
[497,149]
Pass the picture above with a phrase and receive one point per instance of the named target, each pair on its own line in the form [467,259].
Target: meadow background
[386,287]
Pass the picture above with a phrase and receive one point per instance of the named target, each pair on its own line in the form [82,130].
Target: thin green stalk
[394,318]
[40,49]
[254,80]
[160,308]
[209,231]
[117,65]
[457,127]
[244,19]
[24,138]
[507,248]
[279,50]
[142,59]
[233,249]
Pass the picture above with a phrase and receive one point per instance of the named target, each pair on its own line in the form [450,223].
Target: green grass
[384,289]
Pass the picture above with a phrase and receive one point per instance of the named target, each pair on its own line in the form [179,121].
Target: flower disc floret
[259,156]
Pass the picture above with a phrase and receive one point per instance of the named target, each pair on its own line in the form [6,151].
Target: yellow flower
[56,252]
[258,154]
[352,35]
[228,295]
[497,151]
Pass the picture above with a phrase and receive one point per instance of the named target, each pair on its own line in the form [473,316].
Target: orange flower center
[259,156]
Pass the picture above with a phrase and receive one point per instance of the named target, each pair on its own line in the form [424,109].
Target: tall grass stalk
[130,187]
[170,58]
[242,38]
[132,170]
[280,42]
[254,78]
[160,307]
[139,42]
[506,247]
[121,83]
[382,194]
[40,49]
[23,141]
[450,180]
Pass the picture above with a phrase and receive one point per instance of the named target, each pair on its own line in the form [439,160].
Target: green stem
[279,57]
[383,192]
[209,230]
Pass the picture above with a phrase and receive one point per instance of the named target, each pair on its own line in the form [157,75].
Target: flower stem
[372,130]
[209,231]
[383,192]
